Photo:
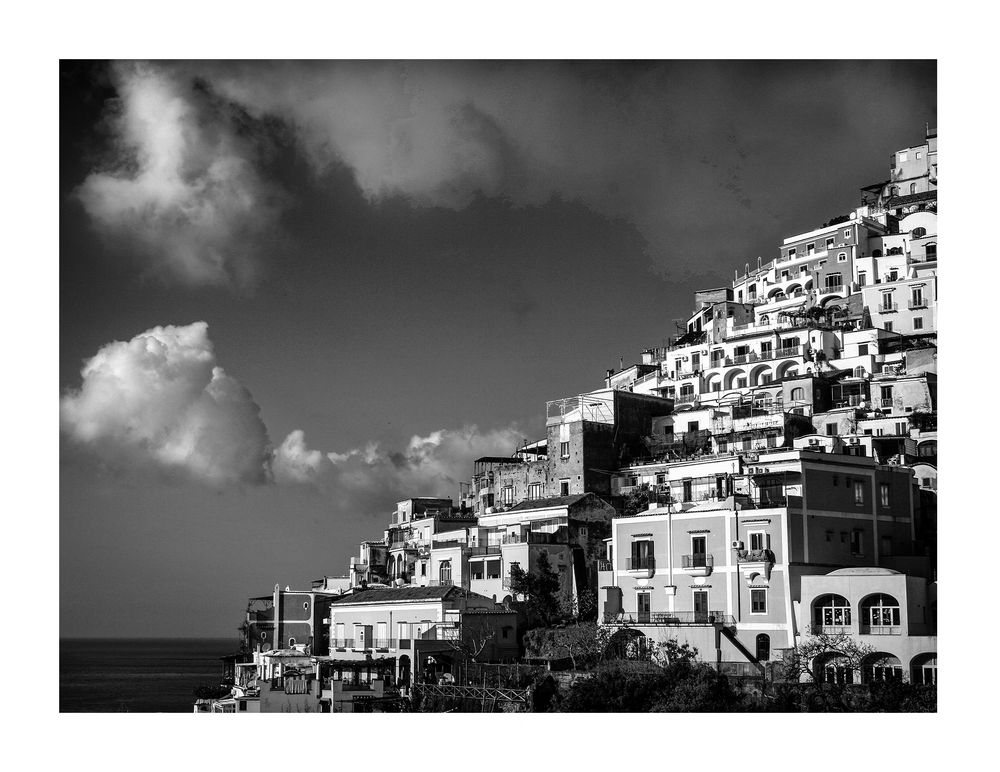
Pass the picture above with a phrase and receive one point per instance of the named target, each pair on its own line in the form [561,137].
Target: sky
[292,294]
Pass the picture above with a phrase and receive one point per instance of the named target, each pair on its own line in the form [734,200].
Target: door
[763,647]
[698,551]
[701,605]
[643,607]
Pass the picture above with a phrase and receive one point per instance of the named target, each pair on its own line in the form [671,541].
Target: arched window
[880,615]
[918,233]
[444,571]
[930,250]
[913,188]
[834,669]
[927,449]
[831,614]
[798,394]
[765,320]
[859,372]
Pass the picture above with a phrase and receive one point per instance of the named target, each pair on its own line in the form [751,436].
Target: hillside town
[764,480]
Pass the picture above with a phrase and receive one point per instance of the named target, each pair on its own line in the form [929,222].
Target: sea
[146,675]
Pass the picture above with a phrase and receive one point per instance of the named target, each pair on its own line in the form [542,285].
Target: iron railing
[604,565]
[697,561]
[881,630]
[888,308]
[789,351]
[668,618]
[640,563]
[343,643]
[917,303]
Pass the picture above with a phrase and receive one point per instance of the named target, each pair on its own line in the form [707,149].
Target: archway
[923,669]
[786,369]
[833,668]
[831,614]
[735,378]
[881,667]
[757,372]
[880,615]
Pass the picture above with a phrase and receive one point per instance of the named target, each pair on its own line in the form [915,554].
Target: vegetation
[537,593]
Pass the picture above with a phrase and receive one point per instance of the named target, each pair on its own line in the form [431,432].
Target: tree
[637,500]
[538,591]
[801,662]
[584,643]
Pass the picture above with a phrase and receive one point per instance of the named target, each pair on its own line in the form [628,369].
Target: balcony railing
[697,561]
[888,308]
[605,565]
[917,303]
[881,630]
[820,629]
[667,618]
[490,549]
[885,402]
[445,545]
[838,287]
[685,398]
[640,564]
[343,643]
[384,643]
[789,351]
[441,583]
[755,556]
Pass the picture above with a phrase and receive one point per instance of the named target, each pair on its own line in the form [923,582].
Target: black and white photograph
[422,370]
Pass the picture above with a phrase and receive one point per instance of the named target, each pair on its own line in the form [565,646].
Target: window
[740,383]
[832,611]
[444,571]
[791,253]
[917,155]
[305,605]
[831,430]
[692,426]
[862,349]
[723,446]
[859,493]
[810,249]
[582,530]
[927,449]
[879,612]
[918,233]
[856,545]
[746,446]
[829,242]
[695,361]
[859,372]
[564,487]
[758,600]
[339,635]
[507,495]
[833,281]
[885,543]
[883,494]
[686,488]
[841,257]
[534,490]
[642,554]
[564,450]
[423,569]
[913,188]
[918,323]
[902,157]
[403,630]
[847,233]
[763,647]
[930,250]
[798,394]
[887,326]
[772,440]
[243,705]
[758,540]
[862,279]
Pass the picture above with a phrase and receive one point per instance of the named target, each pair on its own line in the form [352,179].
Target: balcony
[342,643]
[838,287]
[447,545]
[697,565]
[670,618]
[755,556]
[917,303]
[384,644]
[888,308]
[685,398]
[490,549]
[881,630]
[647,563]
[605,565]
[789,351]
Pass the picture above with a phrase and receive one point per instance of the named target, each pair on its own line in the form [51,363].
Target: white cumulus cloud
[183,191]
[161,398]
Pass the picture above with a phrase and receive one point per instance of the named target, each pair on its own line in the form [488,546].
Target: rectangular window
[758,540]
[564,450]
[862,349]
[758,600]
[507,495]
[686,487]
[403,630]
[791,253]
[642,554]
[723,446]
[692,426]
[859,493]
[902,157]
[918,323]
[887,326]
[534,490]
[886,548]
[810,249]
[564,487]
[695,361]
[842,257]
[847,233]
[856,542]
[766,349]
[772,441]
[831,429]
[862,278]
[829,242]
[883,494]
[339,636]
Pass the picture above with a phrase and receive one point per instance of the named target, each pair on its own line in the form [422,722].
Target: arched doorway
[763,647]
[881,667]
[403,675]
[923,669]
